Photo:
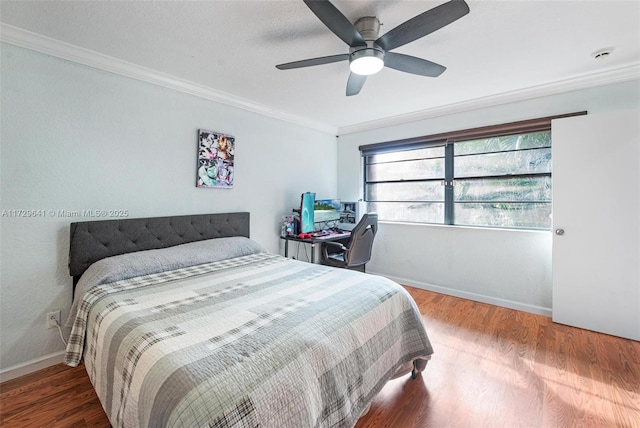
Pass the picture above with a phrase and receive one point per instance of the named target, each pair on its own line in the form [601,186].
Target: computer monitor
[351,213]
[307,201]
[326,210]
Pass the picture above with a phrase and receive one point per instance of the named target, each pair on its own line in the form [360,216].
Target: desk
[331,237]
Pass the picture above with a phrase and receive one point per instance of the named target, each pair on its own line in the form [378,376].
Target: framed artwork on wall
[216,153]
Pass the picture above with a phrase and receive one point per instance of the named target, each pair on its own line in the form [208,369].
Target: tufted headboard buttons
[94,240]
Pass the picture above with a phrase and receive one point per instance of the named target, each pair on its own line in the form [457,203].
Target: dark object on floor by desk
[356,253]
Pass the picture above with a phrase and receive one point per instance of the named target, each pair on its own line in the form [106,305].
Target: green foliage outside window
[502,181]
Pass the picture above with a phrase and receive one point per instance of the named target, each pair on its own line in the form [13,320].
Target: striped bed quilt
[256,340]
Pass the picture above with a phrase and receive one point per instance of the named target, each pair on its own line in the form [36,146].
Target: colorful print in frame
[216,152]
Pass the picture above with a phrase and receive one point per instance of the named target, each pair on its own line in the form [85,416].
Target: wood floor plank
[534,373]
[492,367]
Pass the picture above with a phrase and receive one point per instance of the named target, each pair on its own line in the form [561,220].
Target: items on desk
[289,225]
[351,213]
[303,219]
[307,222]
[326,210]
[319,234]
[316,216]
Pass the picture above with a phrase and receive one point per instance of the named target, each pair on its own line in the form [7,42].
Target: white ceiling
[500,49]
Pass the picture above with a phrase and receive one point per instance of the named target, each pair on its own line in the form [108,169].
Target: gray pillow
[140,263]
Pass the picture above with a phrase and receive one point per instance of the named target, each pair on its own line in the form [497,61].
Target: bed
[185,321]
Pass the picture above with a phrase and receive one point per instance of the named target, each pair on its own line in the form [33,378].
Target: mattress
[210,335]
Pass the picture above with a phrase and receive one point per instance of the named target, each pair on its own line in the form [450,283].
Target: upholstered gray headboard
[94,240]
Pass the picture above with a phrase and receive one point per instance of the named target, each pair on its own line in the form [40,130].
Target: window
[406,185]
[503,181]
[498,176]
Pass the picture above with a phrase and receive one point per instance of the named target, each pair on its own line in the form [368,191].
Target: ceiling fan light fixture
[366,66]
[368,52]
[366,62]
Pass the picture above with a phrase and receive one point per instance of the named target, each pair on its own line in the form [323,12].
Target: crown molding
[39,43]
[585,81]
[26,39]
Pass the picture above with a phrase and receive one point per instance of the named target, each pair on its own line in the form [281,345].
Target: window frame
[448,140]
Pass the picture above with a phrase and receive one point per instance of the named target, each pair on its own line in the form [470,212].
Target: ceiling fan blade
[336,22]
[423,24]
[413,65]
[313,61]
[355,83]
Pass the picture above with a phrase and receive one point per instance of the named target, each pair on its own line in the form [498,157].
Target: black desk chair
[357,251]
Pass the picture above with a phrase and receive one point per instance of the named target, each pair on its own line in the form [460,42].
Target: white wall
[505,267]
[76,138]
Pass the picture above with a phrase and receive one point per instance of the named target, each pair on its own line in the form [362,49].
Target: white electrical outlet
[53,319]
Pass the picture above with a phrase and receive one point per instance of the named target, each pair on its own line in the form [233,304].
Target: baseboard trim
[505,303]
[31,366]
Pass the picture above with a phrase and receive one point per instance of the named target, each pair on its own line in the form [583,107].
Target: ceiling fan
[368,53]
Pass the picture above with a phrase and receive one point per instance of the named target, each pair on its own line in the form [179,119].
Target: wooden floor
[492,367]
